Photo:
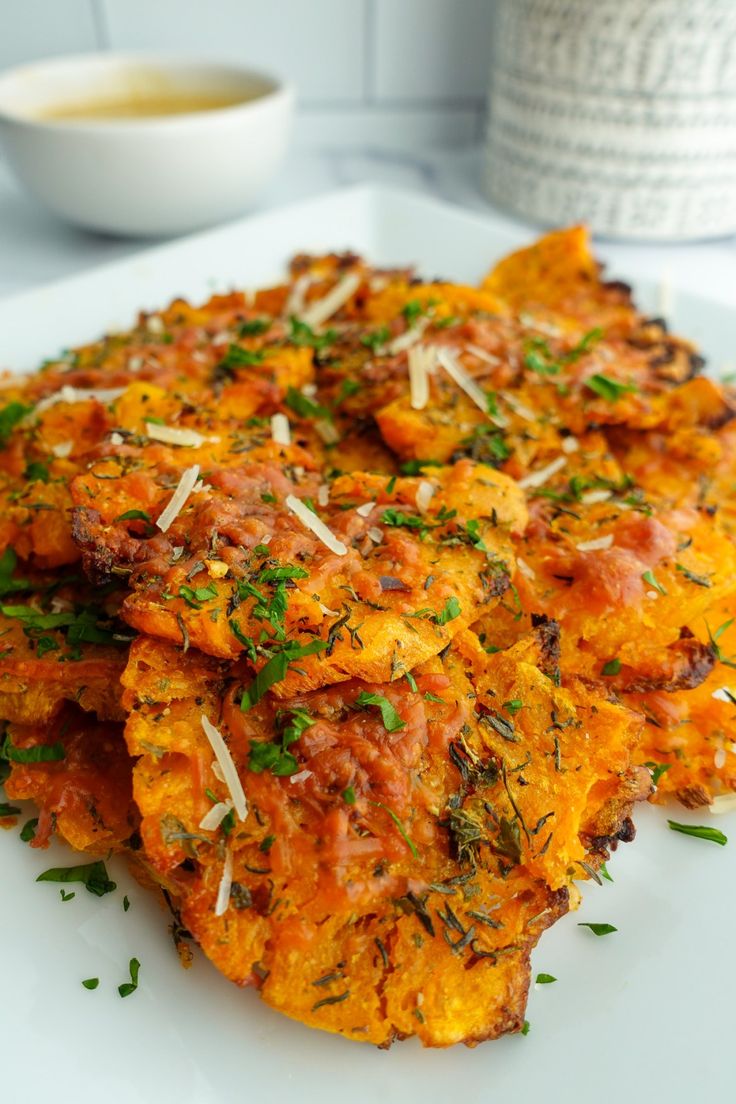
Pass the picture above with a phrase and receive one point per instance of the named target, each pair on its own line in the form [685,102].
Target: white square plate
[643,1014]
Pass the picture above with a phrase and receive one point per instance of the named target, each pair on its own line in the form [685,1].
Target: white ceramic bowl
[149,175]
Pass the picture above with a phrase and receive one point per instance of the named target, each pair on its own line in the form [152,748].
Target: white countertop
[35,247]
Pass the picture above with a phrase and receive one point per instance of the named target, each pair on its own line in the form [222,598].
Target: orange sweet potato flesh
[392,872]
[85,794]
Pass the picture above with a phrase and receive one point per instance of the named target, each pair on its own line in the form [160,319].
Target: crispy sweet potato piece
[391,861]
[407,583]
[85,794]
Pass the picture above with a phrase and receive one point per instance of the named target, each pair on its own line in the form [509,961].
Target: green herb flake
[609,389]
[348,795]
[37,472]
[599,929]
[7,810]
[392,722]
[376,339]
[415,467]
[126,903]
[237,356]
[700,831]
[91,983]
[526,1028]
[134,515]
[253,327]
[612,667]
[41,753]
[656,770]
[699,580]
[275,670]
[649,578]
[66,896]
[401,829]
[92,875]
[545,979]
[302,334]
[9,585]
[603,871]
[28,831]
[10,416]
[513,706]
[305,407]
[129,987]
[449,612]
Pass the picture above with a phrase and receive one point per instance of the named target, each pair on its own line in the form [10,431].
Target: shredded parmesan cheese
[223,890]
[592,497]
[719,759]
[596,545]
[280,429]
[214,818]
[176,503]
[308,518]
[375,534]
[62,449]
[174,435]
[295,301]
[365,509]
[724,803]
[408,338]
[69,394]
[539,477]
[723,694]
[569,445]
[323,494]
[527,571]
[327,431]
[425,494]
[518,407]
[422,361]
[465,382]
[155,324]
[116,438]
[300,776]
[481,354]
[322,309]
[230,775]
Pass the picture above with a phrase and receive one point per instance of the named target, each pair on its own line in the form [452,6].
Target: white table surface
[35,247]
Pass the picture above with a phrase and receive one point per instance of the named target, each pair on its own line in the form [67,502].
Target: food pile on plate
[360,611]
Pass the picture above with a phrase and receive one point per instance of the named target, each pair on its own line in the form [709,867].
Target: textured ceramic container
[619,113]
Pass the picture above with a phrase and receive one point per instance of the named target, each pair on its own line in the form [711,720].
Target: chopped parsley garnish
[279,574]
[603,871]
[348,387]
[402,830]
[545,979]
[649,578]
[414,467]
[91,983]
[275,670]
[609,389]
[37,472]
[399,520]
[700,831]
[28,831]
[92,875]
[66,896]
[486,445]
[129,987]
[449,611]
[126,903]
[429,696]
[657,770]
[253,327]
[194,596]
[599,929]
[10,416]
[9,585]
[237,356]
[302,334]
[392,722]
[526,1027]
[412,311]
[612,667]
[266,844]
[348,795]
[412,681]
[267,755]
[135,515]
[305,407]
[376,338]
[539,358]
[41,753]
[513,706]
[8,810]
[699,580]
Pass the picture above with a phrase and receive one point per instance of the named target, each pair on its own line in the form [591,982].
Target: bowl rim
[278,89]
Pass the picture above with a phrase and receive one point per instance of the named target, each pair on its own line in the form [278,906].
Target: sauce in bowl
[130,105]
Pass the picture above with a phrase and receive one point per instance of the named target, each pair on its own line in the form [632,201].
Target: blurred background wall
[394,72]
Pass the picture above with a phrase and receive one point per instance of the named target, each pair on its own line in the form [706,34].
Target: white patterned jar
[618,113]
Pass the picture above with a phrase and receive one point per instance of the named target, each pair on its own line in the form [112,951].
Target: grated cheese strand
[176,435]
[724,803]
[176,503]
[308,518]
[365,509]
[425,494]
[223,890]
[280,430]
[466,383]
[322,309]
[69,394]
[230,776]
[537,478]
[596,545]
[408,338]
[527,571]
[422,361]
[214,818]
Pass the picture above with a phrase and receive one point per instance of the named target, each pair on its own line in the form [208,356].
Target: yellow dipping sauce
[131,106]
